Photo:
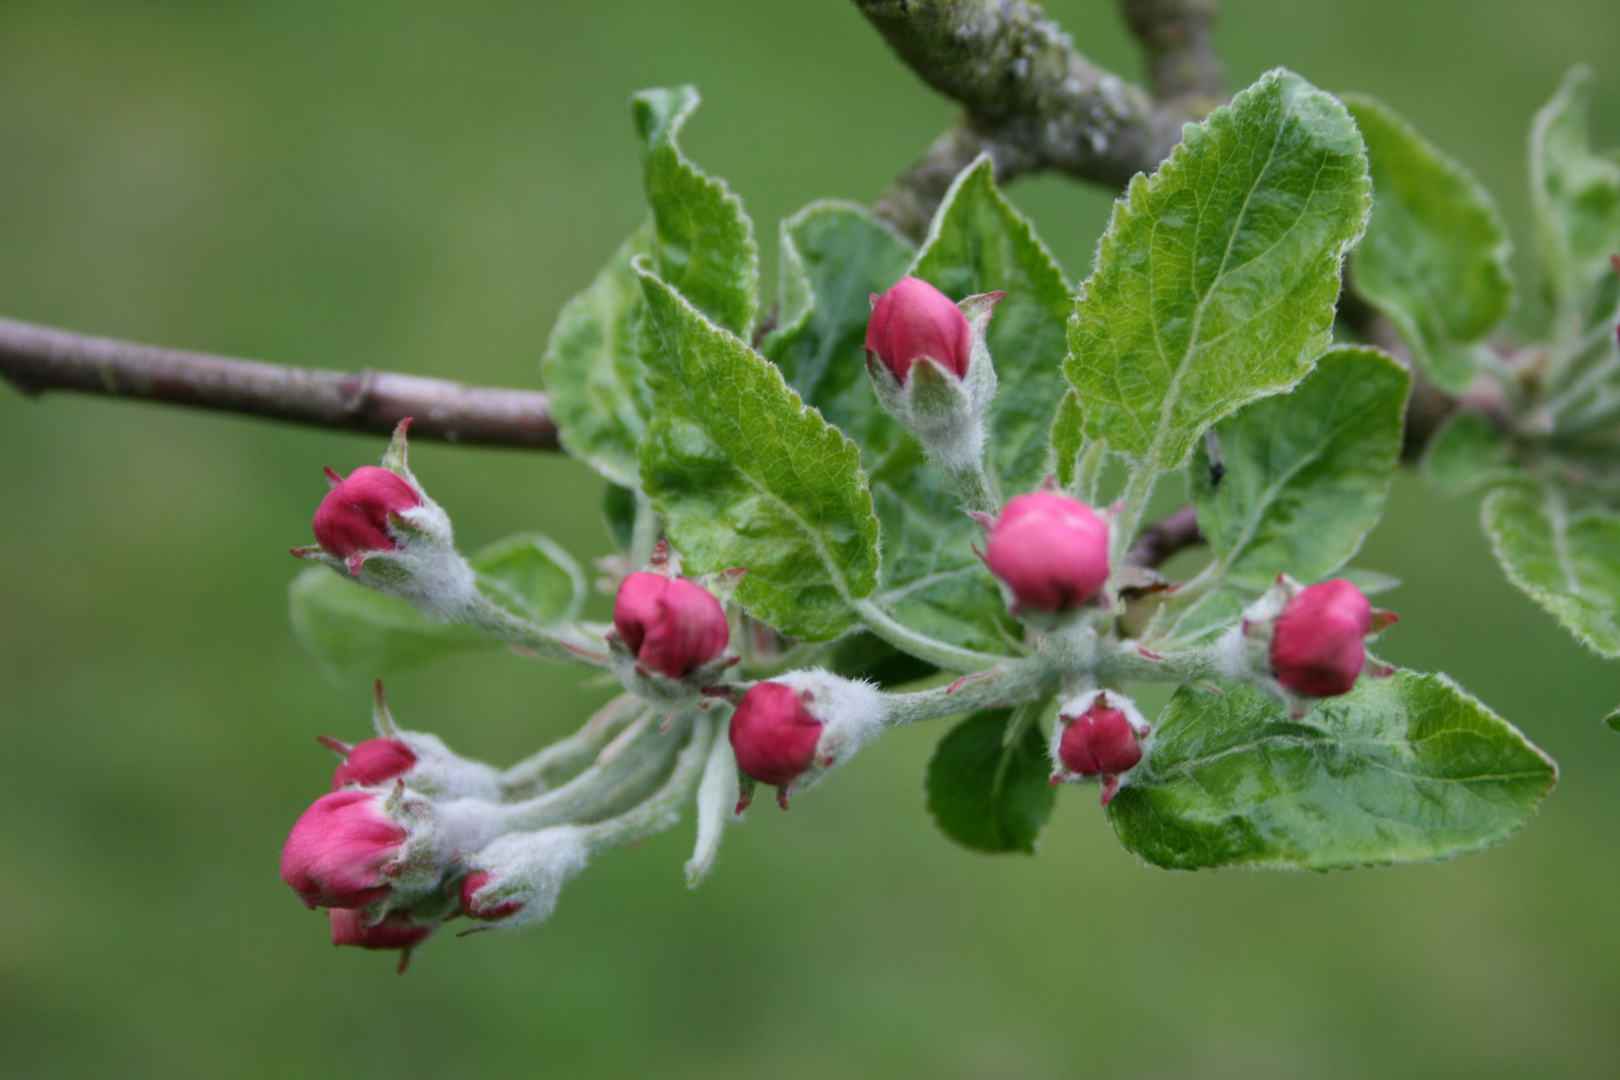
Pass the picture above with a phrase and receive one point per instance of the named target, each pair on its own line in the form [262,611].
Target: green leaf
[932,580]
[619,515]
[1613,720]
[1068,439]
[1400,770]
[1216,280]
[1370,582]
[1576,197]
[1569,562]
[834,257]
[531,577]
[356,633]
[706,246]
[979,243]
[593,372]
[1435,257]
[1306,472]
[985,794]
[746,475]
[1467,453]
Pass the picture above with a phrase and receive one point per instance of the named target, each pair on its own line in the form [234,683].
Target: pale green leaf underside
[986,795]
[706,245]
[980,243]
[1569,562]
[1306,472]
[1435,257]
[593,372]
[1216,280]
[1576,197]
[746,475]
[356,633]
[1400,770]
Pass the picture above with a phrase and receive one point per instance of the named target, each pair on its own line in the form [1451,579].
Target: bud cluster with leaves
[911,491]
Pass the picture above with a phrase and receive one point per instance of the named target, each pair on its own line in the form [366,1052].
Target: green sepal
[1403,769]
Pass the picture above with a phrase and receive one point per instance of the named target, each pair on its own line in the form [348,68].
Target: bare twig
[1174,532]
[35,359]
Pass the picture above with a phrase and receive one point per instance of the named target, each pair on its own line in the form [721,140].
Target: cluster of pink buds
[791,731]
[931,368]
[1300,644]
[1051,554]
[384,848]
[1098,734]
[377,525]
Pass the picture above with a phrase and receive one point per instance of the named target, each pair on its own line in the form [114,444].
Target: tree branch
[1172,533]
[35,359]
[1175,36]
[1032,102]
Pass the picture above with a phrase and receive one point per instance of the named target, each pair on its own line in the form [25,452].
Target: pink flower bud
[375,761]
[1050,550]
[913,320]
[488,912]
[1316,646]
[672,625]
[396,930]
[1101,740]
[353,518]
[338,850]
[773,734]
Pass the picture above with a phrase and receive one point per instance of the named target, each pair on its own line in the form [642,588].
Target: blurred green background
[420,186]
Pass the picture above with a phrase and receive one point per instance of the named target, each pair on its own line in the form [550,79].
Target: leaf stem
[923,647]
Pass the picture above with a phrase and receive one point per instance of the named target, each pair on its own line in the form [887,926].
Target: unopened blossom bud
[1317,645]
[1300,644]
[773,734]
[1098,733]
[353,518]
[915,320]
[514,881]
[671,625]
[792,730]
[375,761]
[396,930]
[1100,740]
[338,851]
[470,905]
[1050,551]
